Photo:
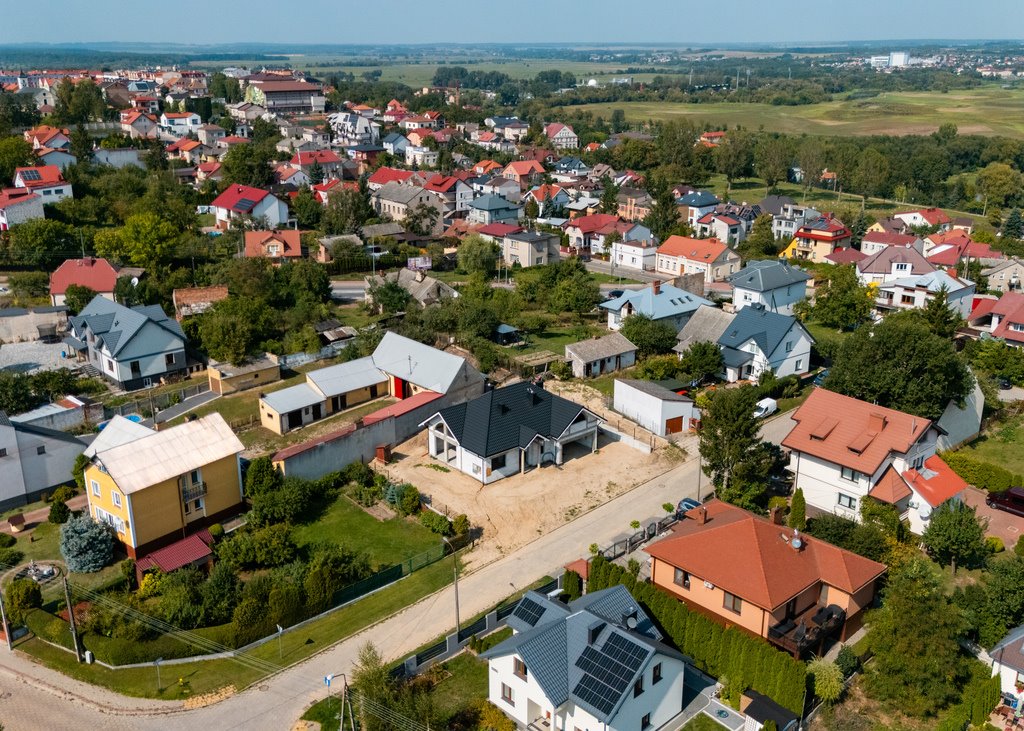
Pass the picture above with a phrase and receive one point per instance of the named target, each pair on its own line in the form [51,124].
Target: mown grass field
[989,110]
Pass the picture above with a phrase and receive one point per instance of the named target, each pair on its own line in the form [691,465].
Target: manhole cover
[264,688]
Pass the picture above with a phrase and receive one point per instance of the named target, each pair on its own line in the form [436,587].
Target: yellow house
[155,488]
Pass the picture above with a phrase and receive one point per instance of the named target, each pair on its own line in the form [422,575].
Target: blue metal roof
[669,302]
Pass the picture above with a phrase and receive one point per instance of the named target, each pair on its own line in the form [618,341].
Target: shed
[227,378]
[655,408]
[597,356]
[507,335]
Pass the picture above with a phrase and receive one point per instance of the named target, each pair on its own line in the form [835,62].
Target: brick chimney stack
[656,286]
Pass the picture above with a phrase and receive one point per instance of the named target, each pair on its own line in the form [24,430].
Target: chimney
[702,515]
[656,286]
[419,275]
[876,422]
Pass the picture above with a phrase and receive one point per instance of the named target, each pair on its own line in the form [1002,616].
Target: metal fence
[147,404]
[628,545]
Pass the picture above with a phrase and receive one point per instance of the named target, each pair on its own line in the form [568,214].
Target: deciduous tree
[842,301]
[476,254]
[77,297]
[650,337]
[955,535]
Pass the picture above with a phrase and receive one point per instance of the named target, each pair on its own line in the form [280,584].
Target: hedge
[979,698]
[980,474]
[745,661]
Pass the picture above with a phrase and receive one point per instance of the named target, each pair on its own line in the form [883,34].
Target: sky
[520,21]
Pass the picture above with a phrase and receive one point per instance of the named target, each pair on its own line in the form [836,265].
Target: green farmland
[990,110]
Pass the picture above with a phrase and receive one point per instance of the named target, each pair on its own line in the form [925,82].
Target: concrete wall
[70,418]
[359,445]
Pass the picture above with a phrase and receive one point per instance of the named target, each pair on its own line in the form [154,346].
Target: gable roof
[117,431]
[97,274]
[240,198]
[316,156]
[701,250]
[669,302]
[593,349]
[166,454]
[764,276]
[705,325]
[753,322]
[1009,651]
[846,255]
[931,281]
[115,325]
[881,261]
[889,238]
[509,417]
[753,558]
[399,192]
[11,197]
[289,239]
[861,439]
[524,167]
[935,482]
[654,389]
[418,364]
[39,176]
[556,644]
[492,203]
[934,216]
[698,199]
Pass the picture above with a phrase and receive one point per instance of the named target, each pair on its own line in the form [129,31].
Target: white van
[766,407]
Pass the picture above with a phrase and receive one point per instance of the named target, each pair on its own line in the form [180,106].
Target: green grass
[1002,444]
[702,722]
[206,677]
[46,547]
[987,110]
[602,278]
[466,686]
[785,404]
[385,542]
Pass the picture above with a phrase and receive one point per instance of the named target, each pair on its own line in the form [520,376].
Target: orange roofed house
[844,451]
[278,246]
[818,239]
[750,572]
[681,255]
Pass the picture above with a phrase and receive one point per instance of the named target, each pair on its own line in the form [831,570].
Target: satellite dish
[135,281]
[925,511]
[631,622]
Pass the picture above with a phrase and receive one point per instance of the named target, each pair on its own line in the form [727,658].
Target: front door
[294,419]
[317,412]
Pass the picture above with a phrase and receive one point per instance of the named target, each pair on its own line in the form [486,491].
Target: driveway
[777,428]
[192,402]
[28,691]
[1000,523]
[1014,393]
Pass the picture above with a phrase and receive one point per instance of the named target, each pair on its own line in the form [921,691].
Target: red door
[399,388]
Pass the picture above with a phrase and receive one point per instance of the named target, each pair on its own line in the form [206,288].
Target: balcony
[193,492]
[807,630]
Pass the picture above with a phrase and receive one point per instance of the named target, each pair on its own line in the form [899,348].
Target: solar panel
[30,175]
[529,611]
[606,669]
[597,694]
[245,204]
[624,651]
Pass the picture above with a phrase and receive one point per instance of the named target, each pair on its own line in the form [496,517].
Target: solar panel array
[30,175]
[529,611]
[244,204]
[607,672]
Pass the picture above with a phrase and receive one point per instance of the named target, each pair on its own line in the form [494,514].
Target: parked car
[781,484]
[1012,501]
[819,379]
[1004,384]
[766,407]
[686,504]
[615,294]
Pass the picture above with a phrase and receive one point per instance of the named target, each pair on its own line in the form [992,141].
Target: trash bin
[89,657]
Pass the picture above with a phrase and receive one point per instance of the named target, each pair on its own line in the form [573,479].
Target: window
[682,578]
[733,603]
[520,668]
[194,477]
[41,449]
[902,267]
[116,497]
[847,501]
[799,365]
[907,299]
[789,346]
[849,474]
[918,462]
[506,695]
[169,359]
[96,488]
[3,451]
[638,687]
[498,463]
[645,722]
[656,674]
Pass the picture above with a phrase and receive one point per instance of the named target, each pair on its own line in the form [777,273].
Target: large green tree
[663,218]
[773,155]
[955,535]
[345,212]
[919,665]
[15,152]
[728,433]
[734,157]
[477,254]
[234,327]
[577,293]
[841,301]
[900,364]
[249,164]
[760,244]
[702,360]
[939,316]
[41,243]
[651,337]
[146,240]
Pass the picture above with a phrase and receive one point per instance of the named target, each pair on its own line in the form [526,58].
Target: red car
[1012,501]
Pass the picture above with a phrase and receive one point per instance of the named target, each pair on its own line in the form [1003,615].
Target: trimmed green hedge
[980,474]
[979,698]
[746,662]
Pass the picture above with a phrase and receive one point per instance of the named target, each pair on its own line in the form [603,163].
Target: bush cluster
[984,475]
[436,523]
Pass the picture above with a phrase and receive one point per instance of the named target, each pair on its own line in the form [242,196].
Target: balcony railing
[193,492]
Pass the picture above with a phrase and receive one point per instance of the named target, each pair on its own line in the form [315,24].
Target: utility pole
[455,568]
[698,475]
[71,619]
[7,628]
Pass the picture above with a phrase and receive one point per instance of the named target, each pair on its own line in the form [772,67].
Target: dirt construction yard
[515,510]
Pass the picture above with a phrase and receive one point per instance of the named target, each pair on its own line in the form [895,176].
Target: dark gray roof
[762,709]
[653,389]
[764,276]
[382,229]
[598,348]
[509,417]
[698,199]
[773,203]
[733,358]
[1009,651]
[116,324]
[492,203]
[767,329]
[557,646]
[706,325]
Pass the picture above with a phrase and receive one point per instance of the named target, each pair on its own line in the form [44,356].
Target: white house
[680,255]
[891,263]
[33,460]
[420,156]
[1008,662]
[509,430]
[598,663]
[598,356]
[843,450]
[241,200]
[180,124]
[351,128]
[875,241]
[655,408]
[758,340]
[18,205]
[926,217]
[561,136]
[639,254]
[772,284]
[916,291]
[46,181]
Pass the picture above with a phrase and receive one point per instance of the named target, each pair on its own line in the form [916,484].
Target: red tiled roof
[402,407]
[486,166]
[890,488]
[256,242]
[1011,307]
[499,230]
[99,275]
[10,197]
[441,183]
[846,256]
[703,250]
[525,167]
[938,483]
[982,307]
[180,115]
[591,224]
[951,255]
[188,550]
[934,216]
[581,566]
[861,439]
[383,176]
[48,175]
[824,228]
[555,127]
[232,197]
[233,140]
[320,156]
[545,192]
[754,559]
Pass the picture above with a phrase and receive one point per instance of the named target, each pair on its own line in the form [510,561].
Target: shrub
[1018,547]
[561,370]
[22,595]
[86,544]
[408,499]
[358,473]
[436,522]
[10,556]
[461,524]
[980,474]
[572,585]
[828,680]
[264,548]
[262,477]
[7,540]
[128,573]
[847,661]
[59,512]
[994,544]
[216,531]
[62,494]
[798,510]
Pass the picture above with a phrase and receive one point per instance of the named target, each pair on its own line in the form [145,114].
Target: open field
[989,110]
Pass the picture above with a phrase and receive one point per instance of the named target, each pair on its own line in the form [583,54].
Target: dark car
[1012,501]
[781,484]
[1004,384]
[686,504]
[820,378]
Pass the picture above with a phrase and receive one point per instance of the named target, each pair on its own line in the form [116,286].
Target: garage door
[674,426]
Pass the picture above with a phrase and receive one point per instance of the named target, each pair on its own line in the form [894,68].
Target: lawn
[46,547]
[602,278]
[385,542]
[702,722]
[1002,444]
[205,677]
[987,110]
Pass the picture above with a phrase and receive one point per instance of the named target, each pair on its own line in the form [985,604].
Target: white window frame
[96,490]
[115,497]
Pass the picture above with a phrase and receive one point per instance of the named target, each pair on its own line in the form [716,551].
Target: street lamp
[455,568]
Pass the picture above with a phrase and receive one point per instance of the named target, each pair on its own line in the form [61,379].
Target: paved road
[280,700]
[192,402]
[778,428]
[601,267]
